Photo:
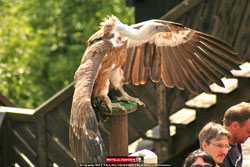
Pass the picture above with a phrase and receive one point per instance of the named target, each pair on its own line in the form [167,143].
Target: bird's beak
[165,28]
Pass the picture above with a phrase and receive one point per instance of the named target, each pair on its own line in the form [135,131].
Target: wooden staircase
[186,123]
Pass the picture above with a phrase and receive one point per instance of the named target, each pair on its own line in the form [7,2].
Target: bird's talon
[129,99]
[116,105]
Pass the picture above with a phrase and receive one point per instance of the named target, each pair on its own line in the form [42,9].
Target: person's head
[201,158]
[214,139]
[237,121]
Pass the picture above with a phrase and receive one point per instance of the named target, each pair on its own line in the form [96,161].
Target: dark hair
[191,158]
[239,113]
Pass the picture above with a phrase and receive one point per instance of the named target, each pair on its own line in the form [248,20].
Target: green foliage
[42,42]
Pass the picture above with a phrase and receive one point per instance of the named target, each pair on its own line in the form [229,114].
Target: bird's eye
[156,27]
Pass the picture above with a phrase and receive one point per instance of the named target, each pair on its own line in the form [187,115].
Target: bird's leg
[116,81]
[101,89]
[126,97]
[111,105]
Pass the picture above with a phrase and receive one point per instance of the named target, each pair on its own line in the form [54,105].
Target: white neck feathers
[136,34]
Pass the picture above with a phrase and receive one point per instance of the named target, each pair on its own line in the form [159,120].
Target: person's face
[240,134]
[217,148]
[200,161]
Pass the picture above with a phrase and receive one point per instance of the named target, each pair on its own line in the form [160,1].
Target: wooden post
[7,144]
[118,139]
[118,126]
[42,141]
[163,147]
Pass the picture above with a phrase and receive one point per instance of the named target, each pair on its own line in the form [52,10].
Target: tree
[42,42]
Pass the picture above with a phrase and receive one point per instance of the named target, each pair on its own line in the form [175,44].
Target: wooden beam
[6,101]
[23,146]
[42,141]
[18,158]
[20,114]
[16,110]
[180,9]
[57,153]
[2,116]
[55,100]
[20,117]
[28,138]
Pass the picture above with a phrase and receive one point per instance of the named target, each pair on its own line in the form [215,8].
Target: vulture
[120,54]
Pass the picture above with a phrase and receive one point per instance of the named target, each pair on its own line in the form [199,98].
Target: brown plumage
[119,54]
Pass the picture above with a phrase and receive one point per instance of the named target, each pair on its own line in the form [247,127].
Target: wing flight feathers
[175,68]
[85,140]
[136,67]
[203,66]
[156,66]
[149,52]
[166,70]
[189,67]
[187,80]
[128,66]
[184,58]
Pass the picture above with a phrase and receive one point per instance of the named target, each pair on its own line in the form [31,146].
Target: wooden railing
[39,138]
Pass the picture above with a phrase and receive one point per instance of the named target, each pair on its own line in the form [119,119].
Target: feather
[143,76]
[191,69]
[168,56]
[188,82]
[209,60]
[175,68]
[149,51]
[217,43]
[156,67]
[129,64]
[165,69]
[229,62]
[202,65]
[142,71]
[136,67]
[220,47]
[85,140]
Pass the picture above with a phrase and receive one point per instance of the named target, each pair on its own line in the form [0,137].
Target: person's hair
[191,158]
[239,113]
[212,130]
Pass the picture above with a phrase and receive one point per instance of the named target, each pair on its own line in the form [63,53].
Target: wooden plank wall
[226,19]
[24,142]
[4,142]
[57,132]
[19,142]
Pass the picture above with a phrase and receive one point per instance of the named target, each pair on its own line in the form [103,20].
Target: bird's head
[151,28]
[158,27]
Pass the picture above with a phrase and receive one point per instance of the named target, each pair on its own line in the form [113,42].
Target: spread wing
[181,58]
[85,140]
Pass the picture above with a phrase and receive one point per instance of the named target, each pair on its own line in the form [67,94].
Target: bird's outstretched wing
[182,58]
[85,140]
